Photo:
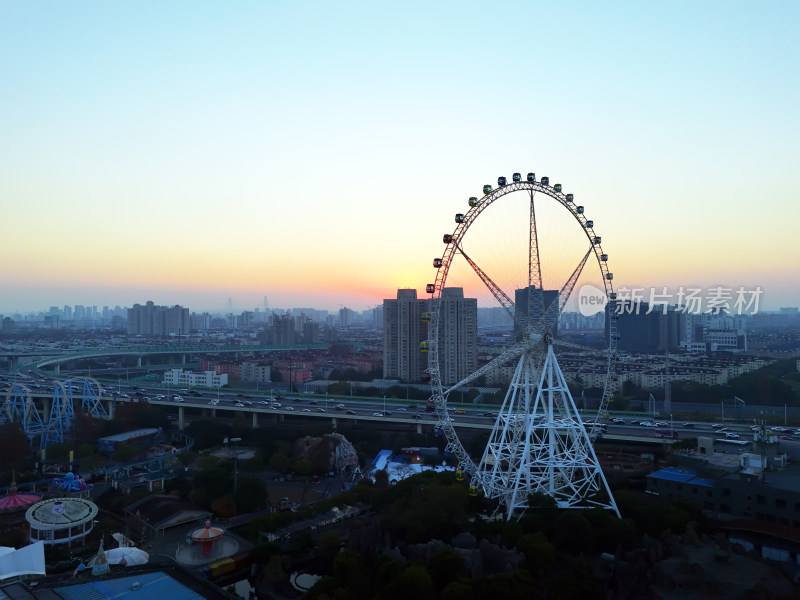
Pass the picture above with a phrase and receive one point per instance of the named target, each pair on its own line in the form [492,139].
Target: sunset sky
[315,152]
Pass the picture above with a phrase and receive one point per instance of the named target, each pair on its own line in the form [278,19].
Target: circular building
[61,520]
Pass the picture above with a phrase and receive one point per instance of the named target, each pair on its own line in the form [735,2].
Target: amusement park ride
[19,407]
[539,443]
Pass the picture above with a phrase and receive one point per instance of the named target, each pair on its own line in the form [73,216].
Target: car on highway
[618,420]
[377,414]
[350,412]
[340,407]
[688,425]
[289,408]
[239,404]
[416,416]
[732,436]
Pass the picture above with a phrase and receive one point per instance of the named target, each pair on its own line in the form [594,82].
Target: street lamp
[235,470]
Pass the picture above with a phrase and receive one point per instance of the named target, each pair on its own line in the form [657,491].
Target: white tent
[28,560]
[127,556]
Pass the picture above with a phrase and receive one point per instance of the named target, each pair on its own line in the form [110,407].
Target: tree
[15,451]
[412,582]
[280,462]
[350,571]
[539,551]
[58,452]
[125,453]
[445,567]
[573,533]
[251,494]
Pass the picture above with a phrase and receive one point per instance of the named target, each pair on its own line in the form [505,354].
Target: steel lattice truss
[61,416]
[538,443]
[20,408]
[90,398]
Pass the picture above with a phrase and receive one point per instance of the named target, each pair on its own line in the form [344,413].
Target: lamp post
[235,471]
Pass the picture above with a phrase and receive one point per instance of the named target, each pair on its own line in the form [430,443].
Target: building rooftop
[681,476]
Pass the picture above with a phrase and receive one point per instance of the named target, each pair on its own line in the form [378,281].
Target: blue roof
[681,476]
[151,585]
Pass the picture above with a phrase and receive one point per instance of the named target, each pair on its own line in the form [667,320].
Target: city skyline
[316,154]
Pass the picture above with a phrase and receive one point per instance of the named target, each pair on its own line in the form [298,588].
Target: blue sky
[315,153]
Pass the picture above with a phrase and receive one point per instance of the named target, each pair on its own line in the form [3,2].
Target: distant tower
[230,304]
[265,304]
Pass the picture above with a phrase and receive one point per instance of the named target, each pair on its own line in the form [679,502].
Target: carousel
[61,520]
[205,544]
[14,503]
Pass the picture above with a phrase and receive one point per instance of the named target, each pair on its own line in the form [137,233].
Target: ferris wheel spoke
[496,291]
[507,356]
[554,310]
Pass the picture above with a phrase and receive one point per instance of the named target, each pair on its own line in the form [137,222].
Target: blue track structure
[20,408]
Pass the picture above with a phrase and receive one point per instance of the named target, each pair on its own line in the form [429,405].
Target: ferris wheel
[521,250]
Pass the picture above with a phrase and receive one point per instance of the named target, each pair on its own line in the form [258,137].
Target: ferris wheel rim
[439,392]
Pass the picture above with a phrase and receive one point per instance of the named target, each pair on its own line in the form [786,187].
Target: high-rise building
[458,335]
[531,303]
[640,329]
[403,330]
[151,319]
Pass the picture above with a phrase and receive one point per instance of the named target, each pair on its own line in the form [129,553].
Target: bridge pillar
[333,423]
[183,359]
[255,420]
[45,410]
[111,408]
[139,361]
[13,363]
[419,428]
[180,418]
[58,369]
